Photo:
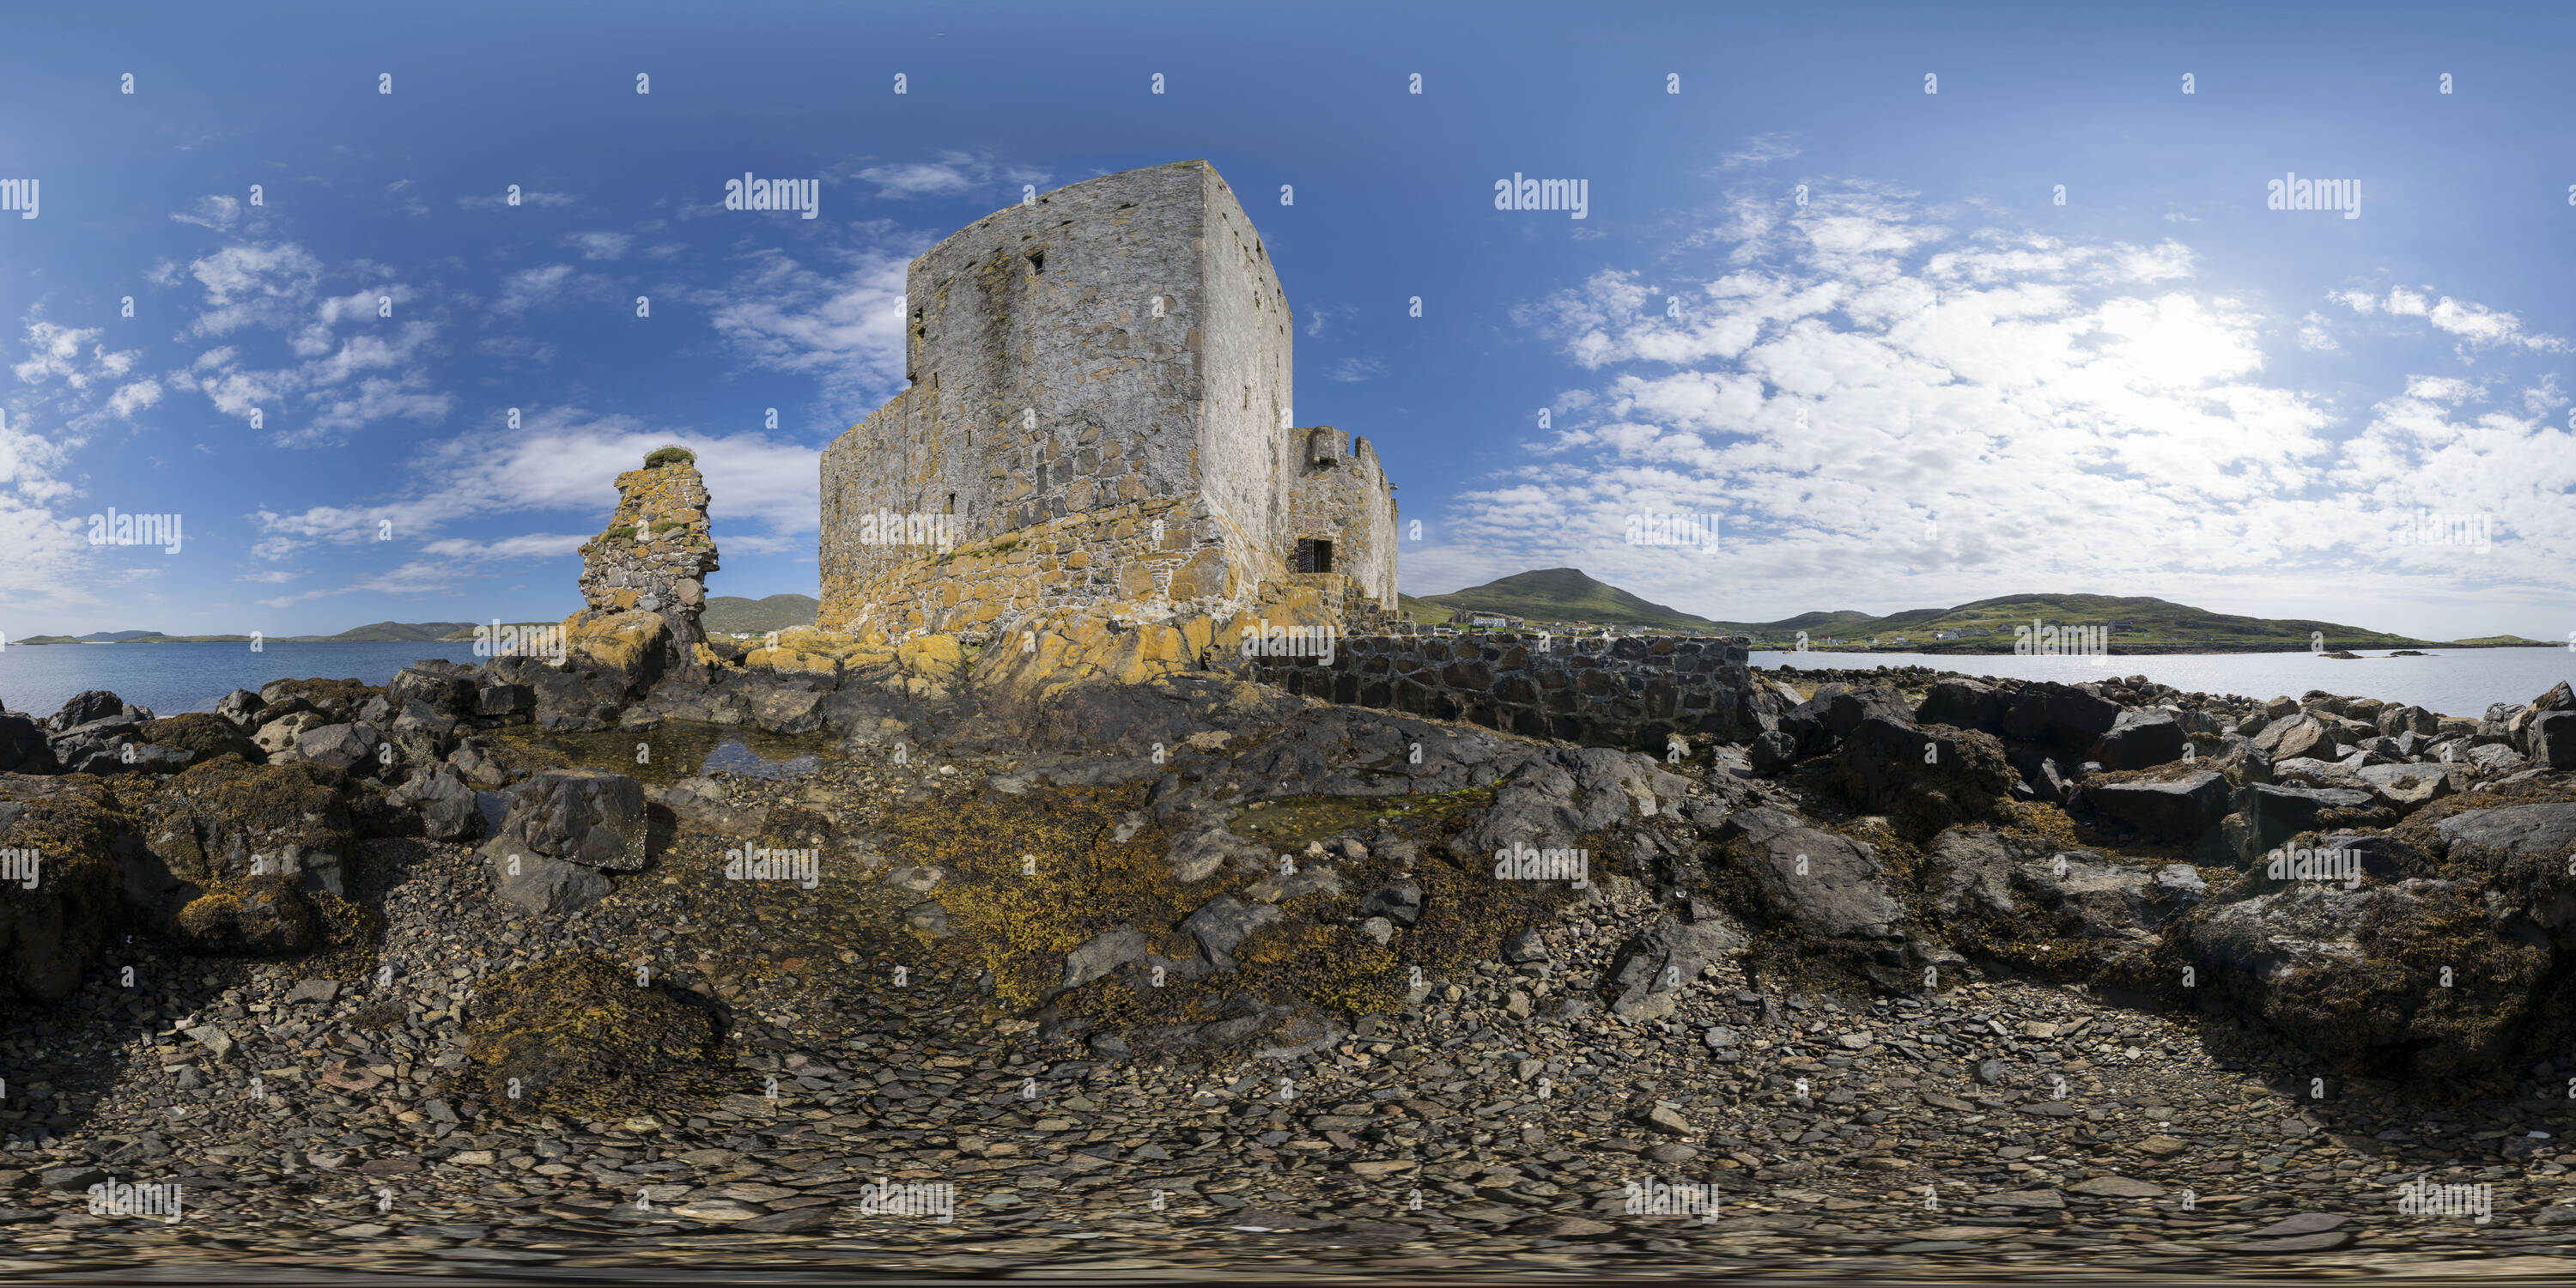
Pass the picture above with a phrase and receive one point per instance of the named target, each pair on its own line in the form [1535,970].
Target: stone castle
[1099,426]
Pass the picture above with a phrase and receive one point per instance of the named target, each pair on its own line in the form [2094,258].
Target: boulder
[2140,739]
[23,749]
[1400,903]
[264,916]
[1222,924]
[92,705]
[2302,735]
[1102,954]
[241,707]
[2058,713]
[224,823]
[449,807]
[1773,751]
[1664,962]
[340,746]
[2174,809]
[1928,778]
[2357,975]
[539,884]
[2406,788]
[2496,759]
[589,817]
[2553,739]
[1823,883]
[504,701]
[200,735]
[2274,814]
[1962,704]
[445,688]
[2068,911]
[53,929]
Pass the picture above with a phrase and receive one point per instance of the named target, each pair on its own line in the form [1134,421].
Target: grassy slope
[1562,595]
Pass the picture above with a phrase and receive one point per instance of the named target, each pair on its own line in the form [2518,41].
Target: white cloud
[948,174]
[531,287]
[600,245]
[219,213]
[2065,414]
[843,327]
[501,200]
[1761,150]
[2477,326]
[533,545]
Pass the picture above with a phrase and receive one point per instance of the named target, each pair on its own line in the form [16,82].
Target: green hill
[733,614]
[2131,624]
[1561,595]
[399,631]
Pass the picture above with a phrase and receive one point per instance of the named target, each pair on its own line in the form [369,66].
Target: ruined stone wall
[656,552]
[1337,491]
[1631,692]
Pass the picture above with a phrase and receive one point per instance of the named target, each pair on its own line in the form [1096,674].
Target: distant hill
[2131,624]
[734,614]
[398,631]
[1562,595]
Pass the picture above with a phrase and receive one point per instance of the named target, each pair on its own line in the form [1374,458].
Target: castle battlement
[1100,418]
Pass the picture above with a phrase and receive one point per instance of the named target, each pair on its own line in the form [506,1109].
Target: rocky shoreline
[1698,1015]
[1091,954]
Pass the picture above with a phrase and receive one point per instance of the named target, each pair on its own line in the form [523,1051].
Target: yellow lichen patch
[623,640]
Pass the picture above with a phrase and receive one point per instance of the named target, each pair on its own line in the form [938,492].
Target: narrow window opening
[1314,554]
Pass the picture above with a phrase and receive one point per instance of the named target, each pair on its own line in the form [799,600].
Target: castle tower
[1100,417]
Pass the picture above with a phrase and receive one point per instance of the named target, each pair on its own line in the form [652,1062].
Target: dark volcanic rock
[1962,704]
[2056,713]
[2274,813]
[2141,739]
[582,816]
[2175,809]
[1927,778]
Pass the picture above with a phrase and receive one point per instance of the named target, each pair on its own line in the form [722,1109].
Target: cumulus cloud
[349,366]
[842,324]
[1874,400]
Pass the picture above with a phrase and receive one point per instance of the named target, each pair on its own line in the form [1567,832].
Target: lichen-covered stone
[582,1035]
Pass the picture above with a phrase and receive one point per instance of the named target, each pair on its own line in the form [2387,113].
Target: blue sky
[1928,384]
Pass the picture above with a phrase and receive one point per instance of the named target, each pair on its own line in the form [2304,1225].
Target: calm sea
[2453,682]
[172,678]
